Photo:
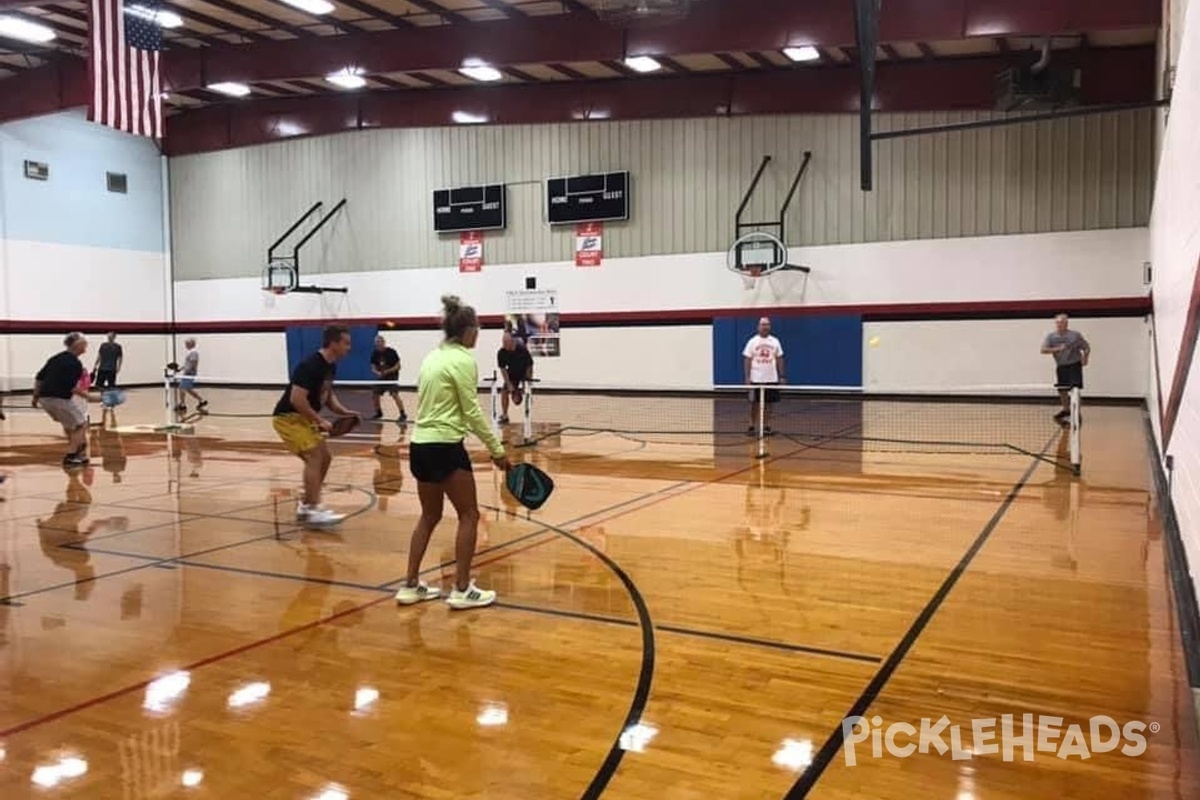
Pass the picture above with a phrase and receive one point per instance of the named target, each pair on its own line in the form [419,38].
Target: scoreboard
[471,208]
[588,198]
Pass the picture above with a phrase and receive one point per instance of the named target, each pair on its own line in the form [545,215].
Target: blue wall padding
[819,350]
[303,341]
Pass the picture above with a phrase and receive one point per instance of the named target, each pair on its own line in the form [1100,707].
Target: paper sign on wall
[470,251]
[589,244]
[532,316]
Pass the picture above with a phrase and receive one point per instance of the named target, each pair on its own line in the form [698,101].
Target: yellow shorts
[297,433]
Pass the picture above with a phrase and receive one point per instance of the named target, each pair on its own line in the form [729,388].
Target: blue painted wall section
[819,350]
[304,341]
[74,207]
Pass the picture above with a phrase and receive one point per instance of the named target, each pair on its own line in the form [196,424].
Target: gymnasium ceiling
[559,61]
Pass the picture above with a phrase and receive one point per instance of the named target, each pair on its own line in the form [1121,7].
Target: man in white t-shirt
[763,362]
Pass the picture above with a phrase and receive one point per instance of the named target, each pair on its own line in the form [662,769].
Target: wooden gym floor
[680,621]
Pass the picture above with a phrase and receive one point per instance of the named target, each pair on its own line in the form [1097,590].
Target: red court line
[95,701]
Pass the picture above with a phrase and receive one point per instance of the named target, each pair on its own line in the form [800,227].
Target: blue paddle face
[531,486]
[112,398]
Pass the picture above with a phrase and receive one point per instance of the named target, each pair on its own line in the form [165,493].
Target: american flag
[123,65]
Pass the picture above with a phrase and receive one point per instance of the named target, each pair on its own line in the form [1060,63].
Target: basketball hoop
[276,290]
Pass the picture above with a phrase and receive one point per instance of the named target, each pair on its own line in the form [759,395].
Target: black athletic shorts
[772,395]
[435,462]
[1070,376]
[517,383]
[105,378]
[385,388]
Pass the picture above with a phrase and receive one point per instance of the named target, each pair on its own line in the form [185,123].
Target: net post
[529,411]
[495,396]
[762,420]
[169,407]
[1076,454]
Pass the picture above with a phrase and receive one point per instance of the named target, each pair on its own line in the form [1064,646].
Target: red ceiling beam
[714,26]
[60,84]
[1116,76]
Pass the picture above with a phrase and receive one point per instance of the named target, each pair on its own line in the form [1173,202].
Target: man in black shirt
[56,383]
[516,365]
[385,363]
[108,363]
[299,424]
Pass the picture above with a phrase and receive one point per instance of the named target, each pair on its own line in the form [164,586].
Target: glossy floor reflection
[167,630]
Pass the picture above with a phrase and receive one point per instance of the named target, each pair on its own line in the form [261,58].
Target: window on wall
[117,182]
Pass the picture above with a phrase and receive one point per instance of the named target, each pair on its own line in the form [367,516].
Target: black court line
[186,561]
[153,563]
[547,528]
[682,631]
[168,563]
[833,744]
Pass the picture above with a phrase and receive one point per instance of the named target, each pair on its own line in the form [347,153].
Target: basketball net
[750,277]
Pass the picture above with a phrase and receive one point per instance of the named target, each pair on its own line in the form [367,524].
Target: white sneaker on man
[320,517]
[302,510]
[411,595]
[473,597]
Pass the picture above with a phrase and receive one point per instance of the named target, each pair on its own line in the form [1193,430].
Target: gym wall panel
[688,178]
[1175,257]
[74,255]
[1090,268]
[74,206]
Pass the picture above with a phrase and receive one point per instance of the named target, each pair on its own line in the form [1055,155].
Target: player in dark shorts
[516,365]
[108,363]
[1071,353]
[385,363]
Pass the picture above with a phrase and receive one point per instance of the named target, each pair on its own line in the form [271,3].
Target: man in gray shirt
[187,383]
[1071,352]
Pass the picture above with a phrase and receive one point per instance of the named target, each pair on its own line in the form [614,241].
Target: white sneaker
[410,595]
[302,510]
[318,516]
[473,597]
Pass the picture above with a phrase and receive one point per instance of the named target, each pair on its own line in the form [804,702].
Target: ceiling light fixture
[467,118]
[482,72]
[348,78]
[317,7]
[802,53]
[230,88]
[13,28]
[164,19]
[643,64]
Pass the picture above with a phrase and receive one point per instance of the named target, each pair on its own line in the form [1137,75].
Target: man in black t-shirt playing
[108,363]
[54,388]
[516,365]
[385,363]
[299,424]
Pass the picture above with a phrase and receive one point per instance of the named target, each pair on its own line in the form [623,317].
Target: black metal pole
[750,193]
[289,231]
[1019,120]
[317,227]
[866,23]
[792,193]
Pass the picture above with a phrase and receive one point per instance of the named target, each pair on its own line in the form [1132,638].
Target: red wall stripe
[1000,309]
[1183,366]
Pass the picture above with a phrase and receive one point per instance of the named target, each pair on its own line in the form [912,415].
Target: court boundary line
[824,757]
[680,630]
[165,562]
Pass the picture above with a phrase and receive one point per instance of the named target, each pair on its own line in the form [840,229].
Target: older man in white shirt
[762,360]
